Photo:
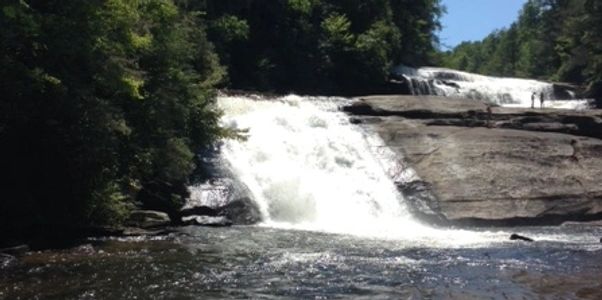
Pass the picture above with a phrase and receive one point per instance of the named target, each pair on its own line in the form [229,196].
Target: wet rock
[522,174]
[148,219]
[199,211]
[421,199]
[7,261]
[241,211]
[207,221]
[220,194]
[518,237]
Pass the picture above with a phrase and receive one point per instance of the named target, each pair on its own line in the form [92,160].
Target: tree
[103,100]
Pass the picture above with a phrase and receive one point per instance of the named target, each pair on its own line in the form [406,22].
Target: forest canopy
[319,46]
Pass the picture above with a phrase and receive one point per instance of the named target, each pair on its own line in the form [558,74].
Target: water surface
[267,263]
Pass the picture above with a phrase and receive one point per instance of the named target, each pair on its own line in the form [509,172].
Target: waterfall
[307,167]
[510,92]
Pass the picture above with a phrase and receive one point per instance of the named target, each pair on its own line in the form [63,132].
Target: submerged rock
[515,237]
[528,172]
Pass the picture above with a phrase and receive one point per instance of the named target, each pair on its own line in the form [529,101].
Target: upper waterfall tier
[514,92]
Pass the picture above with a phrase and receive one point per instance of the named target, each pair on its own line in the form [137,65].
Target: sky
[471,20]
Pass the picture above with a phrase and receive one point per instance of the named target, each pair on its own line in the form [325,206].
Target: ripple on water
[257,262]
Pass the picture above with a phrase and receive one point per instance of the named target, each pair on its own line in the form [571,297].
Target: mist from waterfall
[508,92]
[309,168]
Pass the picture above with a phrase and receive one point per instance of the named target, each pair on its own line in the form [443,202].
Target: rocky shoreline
[491,166]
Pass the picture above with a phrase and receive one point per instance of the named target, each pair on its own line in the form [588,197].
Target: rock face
[507,167]
[148,219]
[219,194]
[239,211]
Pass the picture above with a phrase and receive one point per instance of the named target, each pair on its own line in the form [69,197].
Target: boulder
[470,174]
[518,237]
[148,219]
[241,211]
[219,193]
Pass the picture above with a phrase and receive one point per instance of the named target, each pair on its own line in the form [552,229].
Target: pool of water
[267,263]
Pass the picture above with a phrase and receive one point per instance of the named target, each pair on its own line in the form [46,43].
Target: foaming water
[308,168]
[510,92]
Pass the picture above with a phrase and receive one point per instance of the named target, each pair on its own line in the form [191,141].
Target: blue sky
[470,20]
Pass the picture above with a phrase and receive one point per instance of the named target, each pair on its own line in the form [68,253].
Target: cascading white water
[308,168]
[510,92]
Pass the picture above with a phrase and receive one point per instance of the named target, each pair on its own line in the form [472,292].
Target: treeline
[558,40]
[104,103]
[319,46]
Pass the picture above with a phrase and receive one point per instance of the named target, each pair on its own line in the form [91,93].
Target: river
[250,262]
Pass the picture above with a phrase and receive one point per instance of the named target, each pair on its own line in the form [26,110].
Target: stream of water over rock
[504,91]
[333,226]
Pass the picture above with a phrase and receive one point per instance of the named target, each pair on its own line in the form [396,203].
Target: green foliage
[101,100]
[320,46]
[231,28]
[337,31]
[552,39]
[302,6]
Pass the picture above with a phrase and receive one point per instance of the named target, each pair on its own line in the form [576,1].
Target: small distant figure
[541,99]
[533,100]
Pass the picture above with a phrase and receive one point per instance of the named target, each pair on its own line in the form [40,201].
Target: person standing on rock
[533,100]
[541,99]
